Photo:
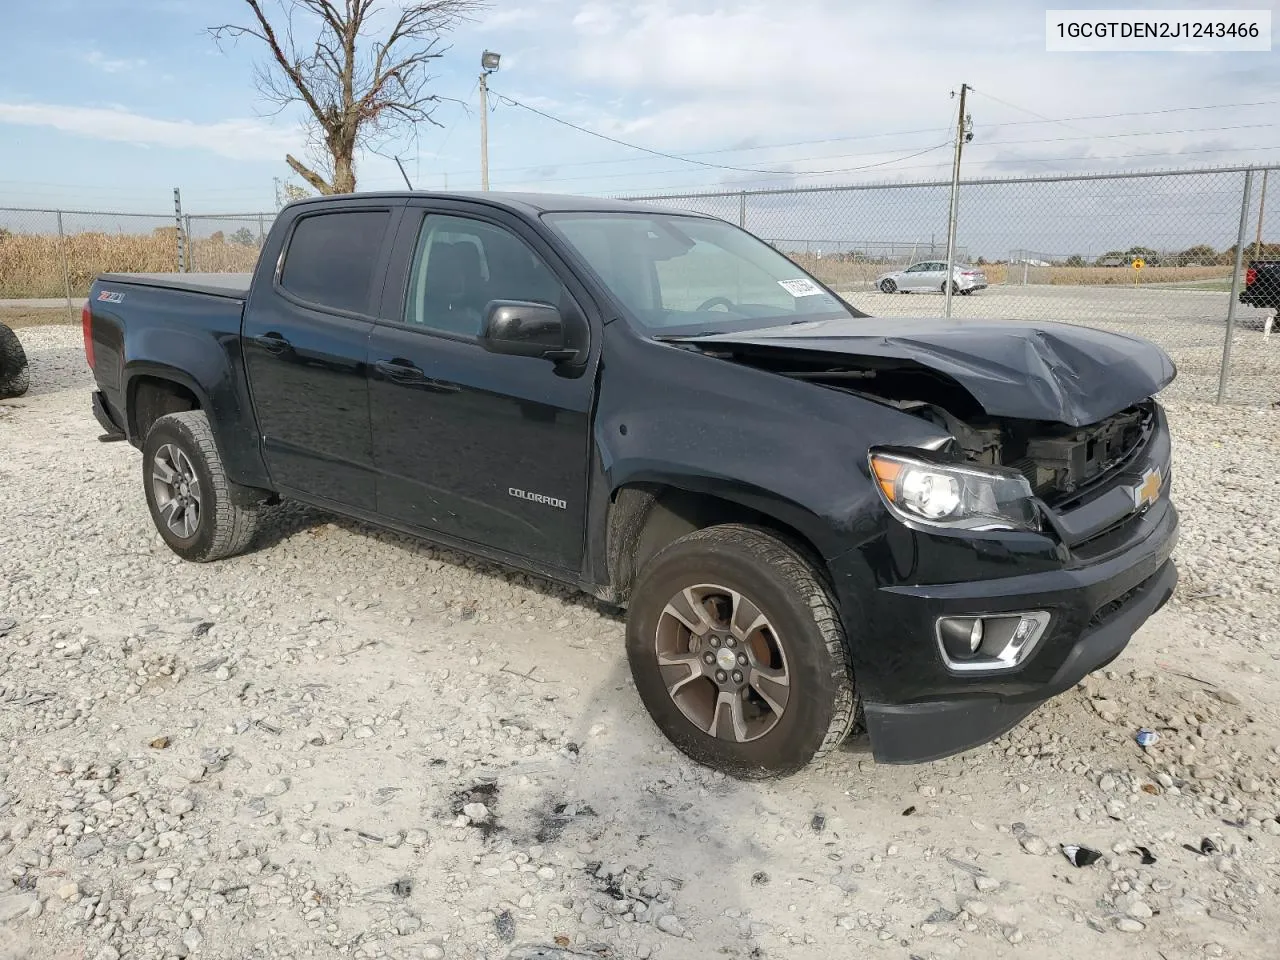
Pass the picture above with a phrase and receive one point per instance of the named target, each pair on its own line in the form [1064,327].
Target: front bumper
[1098,579]
[930,730]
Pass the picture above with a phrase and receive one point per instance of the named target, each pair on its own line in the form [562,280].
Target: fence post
[177,217]
[1235,286]
[742,210]
[66,270]
[261,235]
[186,242]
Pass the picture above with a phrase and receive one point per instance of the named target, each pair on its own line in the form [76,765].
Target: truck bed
[234,286]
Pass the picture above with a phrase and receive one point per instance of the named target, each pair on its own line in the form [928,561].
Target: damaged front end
[1101,460]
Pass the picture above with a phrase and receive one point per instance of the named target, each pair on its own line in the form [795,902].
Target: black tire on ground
[220,528]
[888,286]
[954,288]
[15,376]
[779,583]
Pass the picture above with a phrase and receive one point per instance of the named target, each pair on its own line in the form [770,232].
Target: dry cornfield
[31,265]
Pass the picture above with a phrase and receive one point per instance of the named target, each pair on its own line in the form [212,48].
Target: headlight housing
[954,495]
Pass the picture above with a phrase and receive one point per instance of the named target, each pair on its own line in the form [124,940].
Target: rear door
[306,337]
[482,447]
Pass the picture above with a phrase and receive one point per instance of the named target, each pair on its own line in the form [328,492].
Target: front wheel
[738,654]
[888,286]
[188,492]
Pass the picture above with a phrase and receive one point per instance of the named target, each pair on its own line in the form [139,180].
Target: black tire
[221,528]
[888,286]
[15,376]
[786,589]
[954,288]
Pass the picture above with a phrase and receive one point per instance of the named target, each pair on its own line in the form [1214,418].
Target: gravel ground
[350,744]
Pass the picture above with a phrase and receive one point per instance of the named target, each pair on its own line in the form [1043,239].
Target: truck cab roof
[525,203]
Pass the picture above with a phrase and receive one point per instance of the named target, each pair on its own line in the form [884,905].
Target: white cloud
[235,139]
[110,65]
[699,74]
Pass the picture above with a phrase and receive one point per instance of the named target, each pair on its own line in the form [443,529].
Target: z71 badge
[110,296]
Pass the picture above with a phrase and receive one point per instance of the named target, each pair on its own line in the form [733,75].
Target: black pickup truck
[816,520]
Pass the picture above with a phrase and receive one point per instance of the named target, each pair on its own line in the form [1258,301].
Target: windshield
[682,276]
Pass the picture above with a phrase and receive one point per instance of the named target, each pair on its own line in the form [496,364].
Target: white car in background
[930,275]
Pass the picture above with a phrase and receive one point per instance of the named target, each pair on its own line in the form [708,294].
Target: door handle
[409,374]
[272,342]
[400,371]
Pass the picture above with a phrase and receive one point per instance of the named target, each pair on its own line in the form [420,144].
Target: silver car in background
[930,275]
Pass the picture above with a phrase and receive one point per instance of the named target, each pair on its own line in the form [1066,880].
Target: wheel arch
[153,392]
[647,515]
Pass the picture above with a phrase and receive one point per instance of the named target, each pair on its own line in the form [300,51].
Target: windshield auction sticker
[801,287]
[1138,31]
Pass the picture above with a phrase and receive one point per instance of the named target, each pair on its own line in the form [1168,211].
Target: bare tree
[359,87]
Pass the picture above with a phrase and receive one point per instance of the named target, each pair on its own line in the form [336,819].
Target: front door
[487,448]
[913,278]
[305,340]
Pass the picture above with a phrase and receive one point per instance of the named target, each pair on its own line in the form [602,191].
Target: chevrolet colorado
[817,520]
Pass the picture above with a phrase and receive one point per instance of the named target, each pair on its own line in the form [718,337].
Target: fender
[211,379]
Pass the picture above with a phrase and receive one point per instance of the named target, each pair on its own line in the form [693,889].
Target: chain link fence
[1150,254]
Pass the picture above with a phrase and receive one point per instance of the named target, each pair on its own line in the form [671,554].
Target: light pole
[488,64]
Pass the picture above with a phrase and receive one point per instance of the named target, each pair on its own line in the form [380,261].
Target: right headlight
[954,495]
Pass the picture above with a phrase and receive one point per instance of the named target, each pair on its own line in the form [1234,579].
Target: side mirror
[525,329]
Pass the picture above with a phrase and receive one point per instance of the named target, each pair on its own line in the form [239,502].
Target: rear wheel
[888,286]
[738,654]
[954,288]
[15,377]
[188,492]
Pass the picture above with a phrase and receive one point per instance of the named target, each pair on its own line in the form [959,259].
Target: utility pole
[963,135]
[1262,210]
[488,64]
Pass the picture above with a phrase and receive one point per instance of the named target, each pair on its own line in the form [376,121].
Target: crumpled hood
[1035,371]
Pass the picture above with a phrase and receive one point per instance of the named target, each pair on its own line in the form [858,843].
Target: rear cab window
[332,258]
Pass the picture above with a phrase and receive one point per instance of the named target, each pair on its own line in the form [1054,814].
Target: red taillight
[86,322]
[1250,275]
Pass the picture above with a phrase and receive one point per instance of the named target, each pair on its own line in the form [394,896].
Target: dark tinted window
[331,258]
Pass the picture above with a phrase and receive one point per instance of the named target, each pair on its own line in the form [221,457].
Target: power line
[700,163]
[1014,106]
[694,188]
[1118,136]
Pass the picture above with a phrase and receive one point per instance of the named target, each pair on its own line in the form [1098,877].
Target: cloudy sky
[114,102]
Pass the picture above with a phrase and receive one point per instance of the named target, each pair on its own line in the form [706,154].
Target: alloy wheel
[177,491]
[723,664]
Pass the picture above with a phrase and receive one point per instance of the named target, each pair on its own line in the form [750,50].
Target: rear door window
[332,258]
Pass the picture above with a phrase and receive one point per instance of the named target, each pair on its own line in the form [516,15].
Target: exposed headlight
[955,495]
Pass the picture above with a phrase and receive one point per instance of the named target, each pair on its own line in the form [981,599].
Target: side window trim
[395,302]
[394,213]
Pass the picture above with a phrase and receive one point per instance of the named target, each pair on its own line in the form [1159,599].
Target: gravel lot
[350,744]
